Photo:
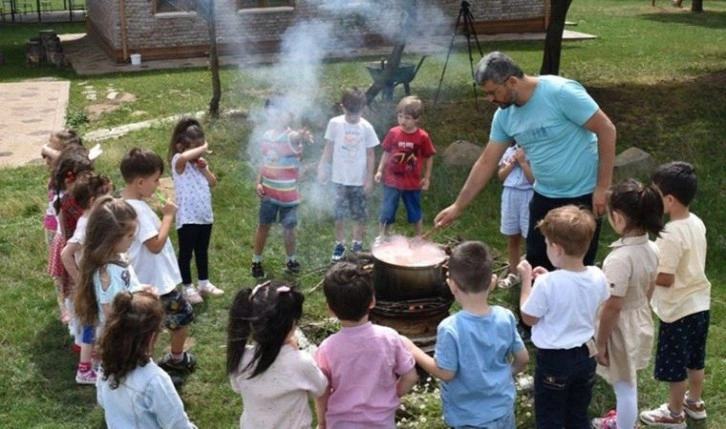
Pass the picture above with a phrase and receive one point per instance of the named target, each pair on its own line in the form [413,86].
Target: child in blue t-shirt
[474,346]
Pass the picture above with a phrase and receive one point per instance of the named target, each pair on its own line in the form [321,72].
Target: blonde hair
[411,106]
[570,227]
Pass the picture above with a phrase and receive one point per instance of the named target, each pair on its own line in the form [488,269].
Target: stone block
[462,153]
[635,163]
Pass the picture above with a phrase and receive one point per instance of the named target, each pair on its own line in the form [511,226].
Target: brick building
[174,29]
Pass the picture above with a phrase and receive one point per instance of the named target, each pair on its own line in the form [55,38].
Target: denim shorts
[515,211]
[681,346]
[389,206]
[271,211]
[178,311]
[350,202]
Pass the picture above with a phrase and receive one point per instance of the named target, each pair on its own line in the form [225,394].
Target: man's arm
[479,176]
[606,133]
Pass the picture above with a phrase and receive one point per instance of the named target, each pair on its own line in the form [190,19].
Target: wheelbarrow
[403,75]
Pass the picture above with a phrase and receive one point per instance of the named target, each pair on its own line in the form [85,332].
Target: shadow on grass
[706,19]
[55,364]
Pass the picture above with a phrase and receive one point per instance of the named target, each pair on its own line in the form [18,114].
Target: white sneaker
[210,290]
[661,417]
[191,294]
[695,410]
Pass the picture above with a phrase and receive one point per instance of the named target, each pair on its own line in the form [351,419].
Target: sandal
[509,281]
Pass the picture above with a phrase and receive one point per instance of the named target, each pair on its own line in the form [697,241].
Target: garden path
[30,110]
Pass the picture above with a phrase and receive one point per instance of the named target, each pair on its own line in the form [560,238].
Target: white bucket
[135,59]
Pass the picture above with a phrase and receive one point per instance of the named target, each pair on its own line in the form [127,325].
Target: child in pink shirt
[368,366]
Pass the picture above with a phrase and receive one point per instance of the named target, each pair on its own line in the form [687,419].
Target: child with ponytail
[274,378]
[625,328]
[132,390]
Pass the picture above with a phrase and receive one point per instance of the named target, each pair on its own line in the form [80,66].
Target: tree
[697,6]
[553,39]
[205,9]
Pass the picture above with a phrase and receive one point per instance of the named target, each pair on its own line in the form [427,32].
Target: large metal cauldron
[399,283]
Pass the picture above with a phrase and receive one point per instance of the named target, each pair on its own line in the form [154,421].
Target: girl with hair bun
[274,378]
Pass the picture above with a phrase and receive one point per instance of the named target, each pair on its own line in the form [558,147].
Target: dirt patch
[113,102]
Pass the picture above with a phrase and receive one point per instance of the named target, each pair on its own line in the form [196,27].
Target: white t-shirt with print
[350,146]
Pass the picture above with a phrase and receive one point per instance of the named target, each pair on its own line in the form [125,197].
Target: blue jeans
[563,381]
[504,422]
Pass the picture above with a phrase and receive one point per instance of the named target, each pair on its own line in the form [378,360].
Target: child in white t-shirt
[349,155]
[561,308]
[152,254]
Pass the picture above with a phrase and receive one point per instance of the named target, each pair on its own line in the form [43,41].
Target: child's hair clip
[280,289]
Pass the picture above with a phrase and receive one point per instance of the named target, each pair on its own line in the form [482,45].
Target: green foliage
[657,72]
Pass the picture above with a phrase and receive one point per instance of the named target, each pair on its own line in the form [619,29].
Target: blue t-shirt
[562,153]
[477,349]
[122,278]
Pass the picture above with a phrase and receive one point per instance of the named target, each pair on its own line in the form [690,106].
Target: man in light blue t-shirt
[569,141]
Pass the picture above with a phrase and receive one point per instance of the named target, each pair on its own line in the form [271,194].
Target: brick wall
[185,33]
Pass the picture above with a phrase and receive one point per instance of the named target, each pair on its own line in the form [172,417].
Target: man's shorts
[270,212]
[681,346]
[389,206]
[515,211]
[177,310]
[350,202]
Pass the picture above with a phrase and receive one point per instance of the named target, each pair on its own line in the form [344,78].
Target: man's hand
[602,356]
[447,215]
[599,203]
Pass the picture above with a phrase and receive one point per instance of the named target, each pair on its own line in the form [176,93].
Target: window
[166,6]
[259,4]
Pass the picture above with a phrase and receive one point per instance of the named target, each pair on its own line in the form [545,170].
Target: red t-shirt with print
[408,152]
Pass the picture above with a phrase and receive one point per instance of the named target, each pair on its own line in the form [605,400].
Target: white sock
[203,283]
[626,396]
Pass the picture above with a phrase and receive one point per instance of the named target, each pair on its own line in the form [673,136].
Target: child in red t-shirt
[407,151]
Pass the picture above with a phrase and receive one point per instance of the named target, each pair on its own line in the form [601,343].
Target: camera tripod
[466,20]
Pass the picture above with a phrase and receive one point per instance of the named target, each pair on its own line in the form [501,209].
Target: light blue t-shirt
[121,278]
[562,153]
[477,349]
[146,398]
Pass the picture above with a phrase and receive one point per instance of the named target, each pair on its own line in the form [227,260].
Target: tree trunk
[553,39]
[214,65]
[697,6]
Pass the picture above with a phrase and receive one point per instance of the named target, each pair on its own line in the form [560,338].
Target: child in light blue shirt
[474,346]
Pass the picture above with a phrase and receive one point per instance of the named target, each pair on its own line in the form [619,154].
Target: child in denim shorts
[405,166]
[348,161]
[277,184]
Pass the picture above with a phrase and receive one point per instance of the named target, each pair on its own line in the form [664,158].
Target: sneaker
[378,241]
[191,294]
[662,417]
[210,290]
[87,377]
[695,410]
[257,271]
[187,363]
[338,252]
[608,421]
[507,282]
[357,247]
[293,267]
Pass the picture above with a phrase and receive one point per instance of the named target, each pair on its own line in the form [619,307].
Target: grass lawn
[659,73]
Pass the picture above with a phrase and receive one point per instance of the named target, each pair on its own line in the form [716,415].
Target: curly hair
[127,342]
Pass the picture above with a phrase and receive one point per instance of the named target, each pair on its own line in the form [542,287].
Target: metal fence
[42,10]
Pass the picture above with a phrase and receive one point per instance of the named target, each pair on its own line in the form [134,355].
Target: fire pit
[412,296]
